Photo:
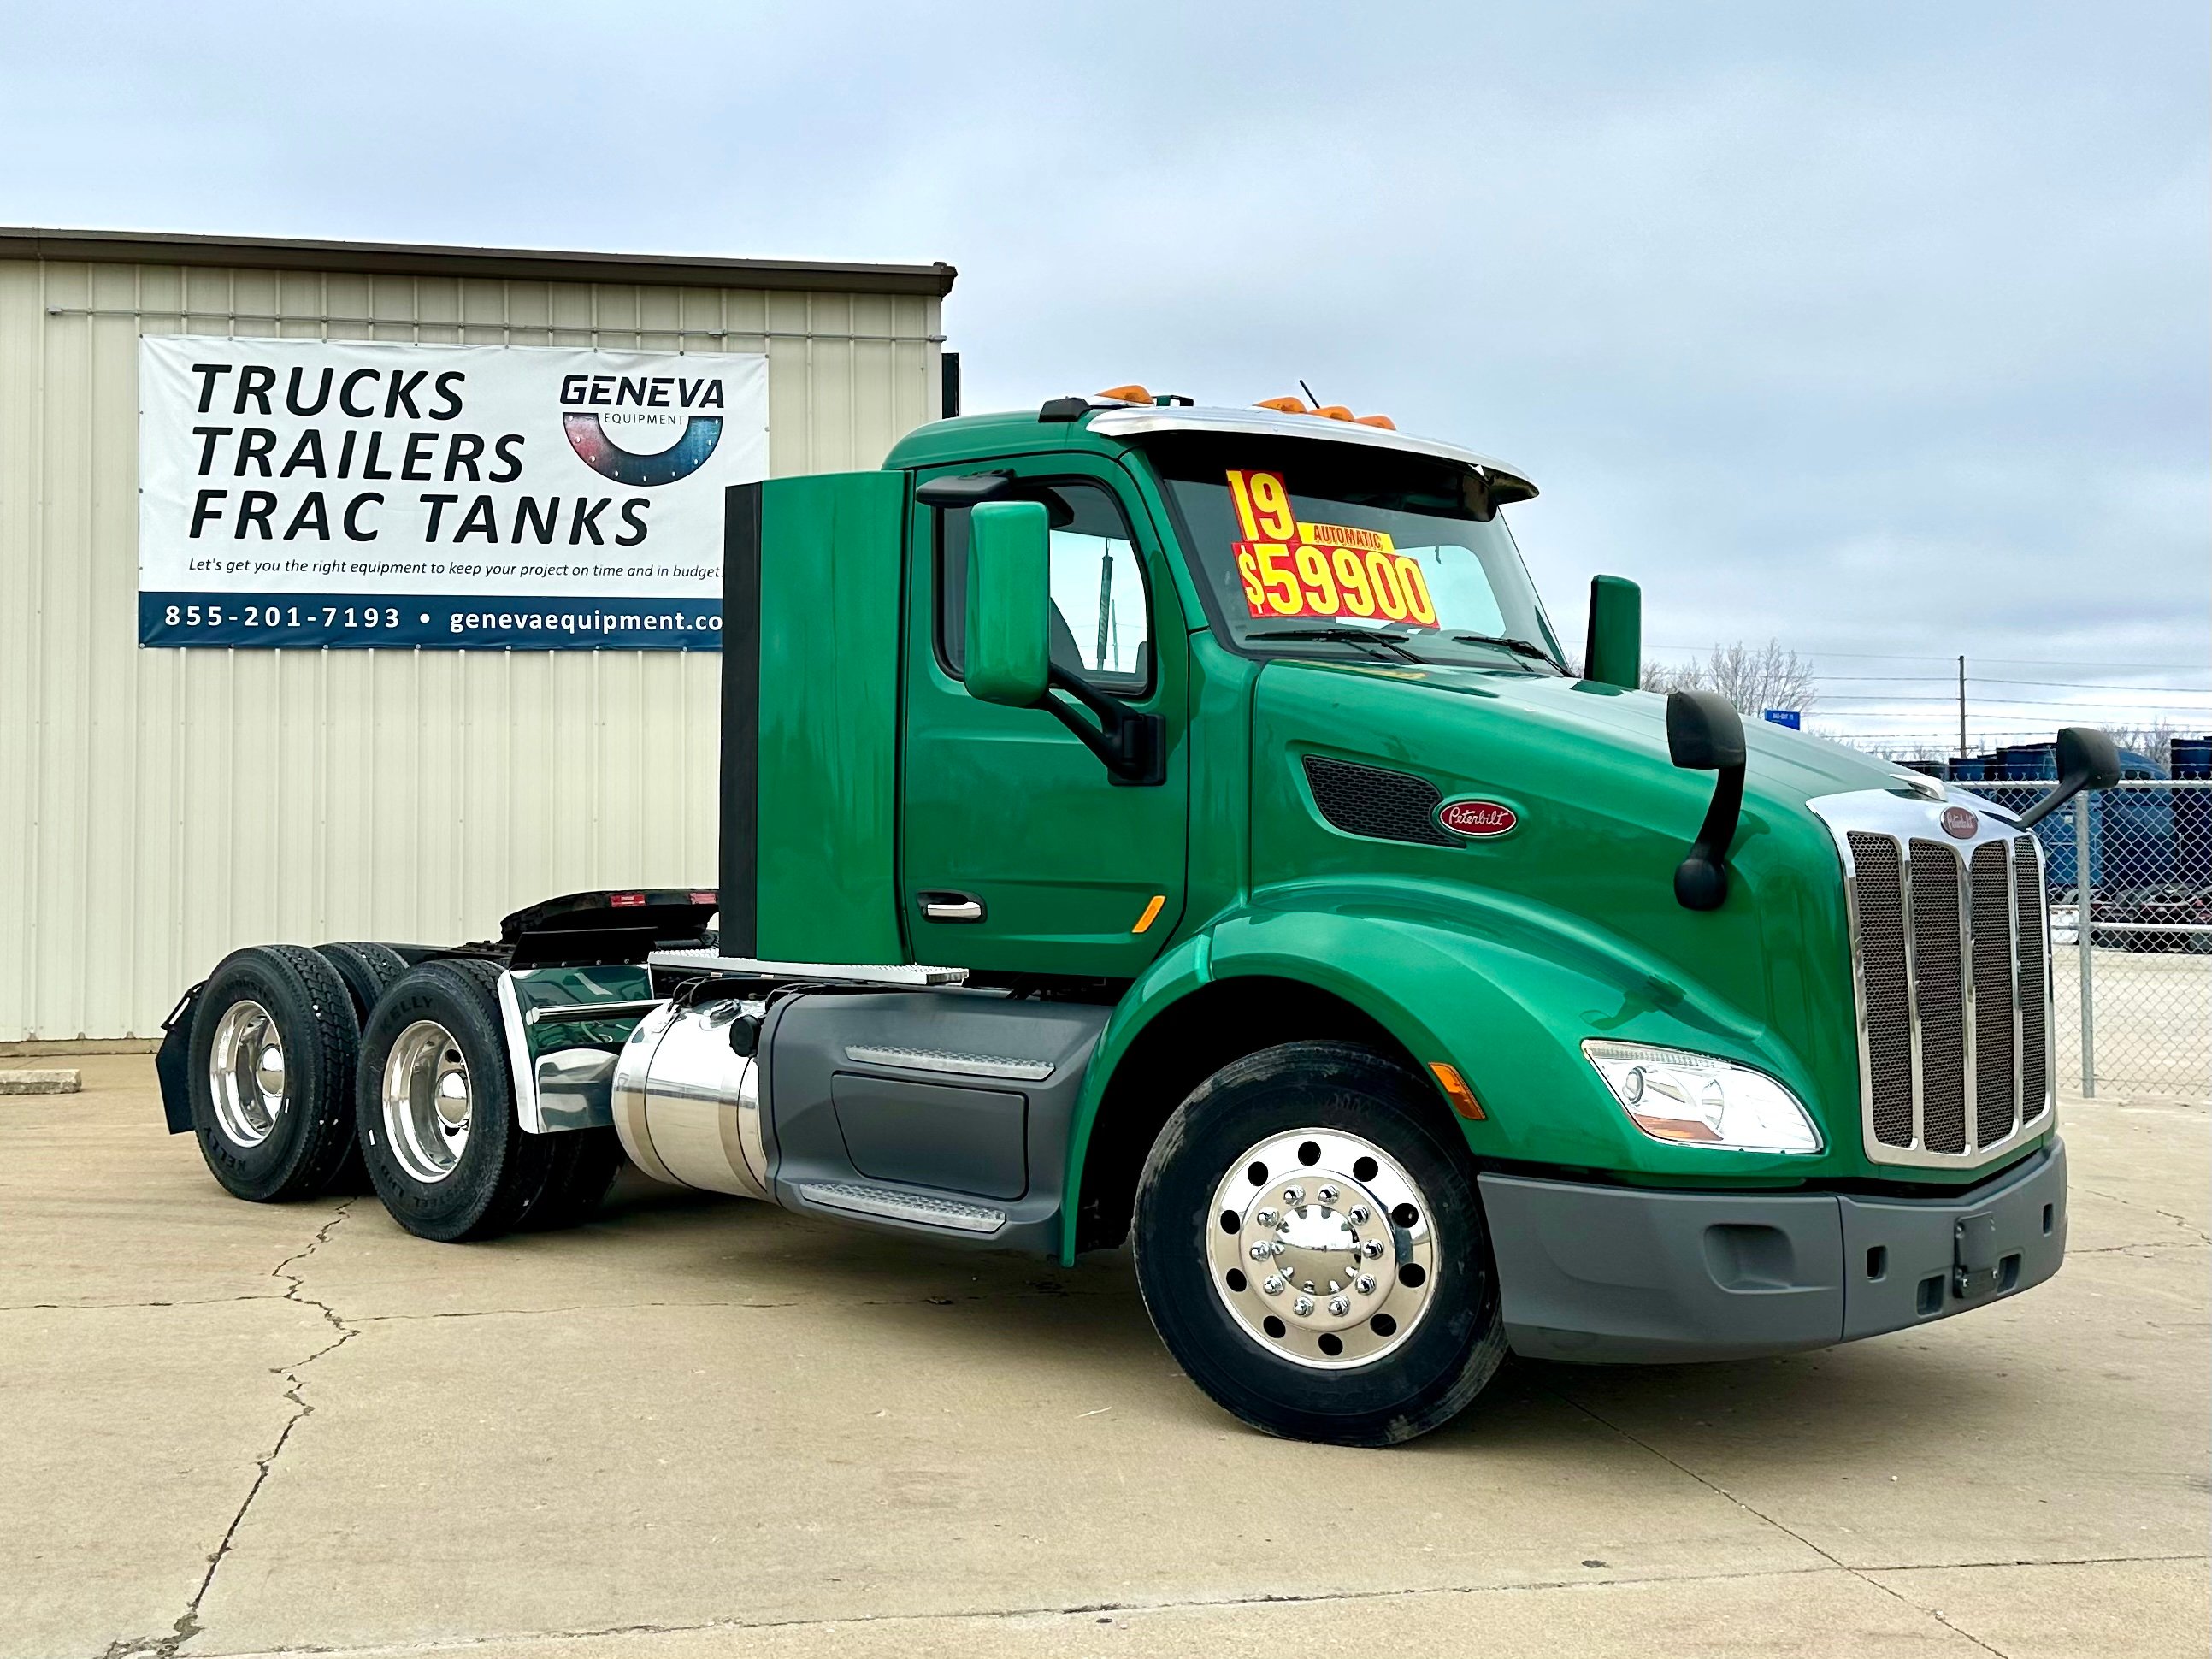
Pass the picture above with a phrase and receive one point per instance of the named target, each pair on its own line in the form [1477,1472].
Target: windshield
[1311,548]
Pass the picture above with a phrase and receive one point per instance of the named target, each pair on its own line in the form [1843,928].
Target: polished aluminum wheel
[245,1074]
[427,1101]
[1322,1249]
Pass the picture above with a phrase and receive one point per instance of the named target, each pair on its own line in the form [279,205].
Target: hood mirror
[2087,759]
[1614,654]
[1705,734]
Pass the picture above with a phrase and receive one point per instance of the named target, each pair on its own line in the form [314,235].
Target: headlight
[1697,1100]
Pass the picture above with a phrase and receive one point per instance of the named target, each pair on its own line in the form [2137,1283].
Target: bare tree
[1753,677]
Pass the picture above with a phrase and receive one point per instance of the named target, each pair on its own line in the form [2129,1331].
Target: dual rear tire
[308,1065]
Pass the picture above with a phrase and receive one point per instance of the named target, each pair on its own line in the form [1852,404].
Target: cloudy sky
[1878,329]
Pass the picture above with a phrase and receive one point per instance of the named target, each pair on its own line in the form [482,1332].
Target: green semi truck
[1181,826]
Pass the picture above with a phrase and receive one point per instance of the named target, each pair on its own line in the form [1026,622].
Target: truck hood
[1602,820]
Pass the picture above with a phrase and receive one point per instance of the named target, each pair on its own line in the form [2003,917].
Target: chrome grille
[1950,959]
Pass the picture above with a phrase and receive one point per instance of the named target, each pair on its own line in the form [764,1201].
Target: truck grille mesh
[1374,801]
[1953,960]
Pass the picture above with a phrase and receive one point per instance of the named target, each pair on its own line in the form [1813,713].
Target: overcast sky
[1881,330]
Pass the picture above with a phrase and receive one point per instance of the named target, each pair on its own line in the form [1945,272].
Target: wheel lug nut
[1266,1218]
[1259,1253]
[1366,1285]
[1275,1246]
[1303,1306]
[1358,1215]
[1339,1306]
[1294,1196]
[1329,1195]
[1371,1248]
[1272,1284]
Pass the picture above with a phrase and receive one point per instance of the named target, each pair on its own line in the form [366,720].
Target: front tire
[1311,1248]
[435,1108]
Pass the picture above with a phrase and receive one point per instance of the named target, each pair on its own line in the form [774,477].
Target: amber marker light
[1382,421]
[1333,412]
[1151,913]
[1284,405]
[1128,394]
[1462,1097]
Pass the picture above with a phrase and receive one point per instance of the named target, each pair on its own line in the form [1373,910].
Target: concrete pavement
[699,1427]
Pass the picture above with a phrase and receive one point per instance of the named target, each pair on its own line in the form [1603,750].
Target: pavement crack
[188,1622]
[2196,1233]
[1758,1514]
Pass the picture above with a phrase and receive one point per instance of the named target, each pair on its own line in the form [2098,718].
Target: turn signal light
[1128,394]
[1455,1087]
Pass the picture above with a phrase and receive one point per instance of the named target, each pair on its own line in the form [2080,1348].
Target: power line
[2009,662]
[1993,679]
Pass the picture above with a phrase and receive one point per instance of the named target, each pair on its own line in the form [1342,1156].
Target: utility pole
[1962,709]
[1105,600]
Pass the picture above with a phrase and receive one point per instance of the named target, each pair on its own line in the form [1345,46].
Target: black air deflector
[1378,802]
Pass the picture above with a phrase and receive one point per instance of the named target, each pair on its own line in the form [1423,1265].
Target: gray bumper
[1623,1274]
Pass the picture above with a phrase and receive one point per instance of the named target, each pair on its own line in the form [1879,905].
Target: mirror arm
[1701,878]
[1129,744]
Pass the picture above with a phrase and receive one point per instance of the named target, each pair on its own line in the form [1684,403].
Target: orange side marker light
[1462,1097]
[1151,913]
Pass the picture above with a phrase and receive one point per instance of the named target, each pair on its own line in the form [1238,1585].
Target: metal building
[158,807]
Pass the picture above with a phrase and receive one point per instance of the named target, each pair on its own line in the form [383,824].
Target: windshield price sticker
[1292,568]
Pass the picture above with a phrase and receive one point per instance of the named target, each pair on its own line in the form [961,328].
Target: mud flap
[171,1058]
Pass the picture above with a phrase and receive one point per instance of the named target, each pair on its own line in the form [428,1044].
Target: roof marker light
[1333,412]
[1382,421]
[1128,394]
[1284,405]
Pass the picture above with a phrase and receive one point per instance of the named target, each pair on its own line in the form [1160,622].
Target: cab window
[1101,621]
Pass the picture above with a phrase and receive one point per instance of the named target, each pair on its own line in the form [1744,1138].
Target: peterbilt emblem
[1477,820]
[1960,823]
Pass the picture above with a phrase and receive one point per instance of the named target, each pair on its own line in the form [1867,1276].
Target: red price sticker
[1292,568]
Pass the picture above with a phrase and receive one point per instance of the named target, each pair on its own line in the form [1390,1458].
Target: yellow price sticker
[1292,568]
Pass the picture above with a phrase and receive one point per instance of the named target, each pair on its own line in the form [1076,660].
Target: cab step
[894,1204]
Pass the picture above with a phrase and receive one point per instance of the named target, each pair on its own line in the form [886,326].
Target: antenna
[1307,390]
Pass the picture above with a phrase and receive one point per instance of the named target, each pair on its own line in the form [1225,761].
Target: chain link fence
[2132,992]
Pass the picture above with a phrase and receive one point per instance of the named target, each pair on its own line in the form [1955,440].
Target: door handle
[950,907]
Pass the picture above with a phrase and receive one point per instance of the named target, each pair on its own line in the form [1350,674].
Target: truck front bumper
[1617,1275]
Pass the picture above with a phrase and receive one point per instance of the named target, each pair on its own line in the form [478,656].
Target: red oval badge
[1477,820]
[1960,822]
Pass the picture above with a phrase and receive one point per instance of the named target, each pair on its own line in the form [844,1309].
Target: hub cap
[427,1101]
[245,1074]
[1322,1249]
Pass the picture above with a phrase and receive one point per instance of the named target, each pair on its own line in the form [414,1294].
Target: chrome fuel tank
[687,1103]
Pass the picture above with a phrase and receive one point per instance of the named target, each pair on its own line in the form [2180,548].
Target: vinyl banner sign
[332,493]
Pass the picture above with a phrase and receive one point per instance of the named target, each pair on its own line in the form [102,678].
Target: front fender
[1502,988]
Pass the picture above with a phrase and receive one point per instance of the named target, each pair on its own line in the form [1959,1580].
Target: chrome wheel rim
[427,1101]
[1322,1249]
[247,1075]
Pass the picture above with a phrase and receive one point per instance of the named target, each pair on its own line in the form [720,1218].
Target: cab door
[1019,852]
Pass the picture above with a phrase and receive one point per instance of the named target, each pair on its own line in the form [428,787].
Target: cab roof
[1104,425]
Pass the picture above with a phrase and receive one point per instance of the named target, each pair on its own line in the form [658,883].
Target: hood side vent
[1376,801]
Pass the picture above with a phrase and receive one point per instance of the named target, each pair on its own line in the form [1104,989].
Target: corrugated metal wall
[158,808]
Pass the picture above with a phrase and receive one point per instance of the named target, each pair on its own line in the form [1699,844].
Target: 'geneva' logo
[1477,820]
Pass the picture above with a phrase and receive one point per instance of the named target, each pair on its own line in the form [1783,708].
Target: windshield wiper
[1520,648]
[1393,645]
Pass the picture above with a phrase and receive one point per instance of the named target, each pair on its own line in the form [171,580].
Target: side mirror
[1614,652]
[2087,759]
[1705,734]
[1009,643]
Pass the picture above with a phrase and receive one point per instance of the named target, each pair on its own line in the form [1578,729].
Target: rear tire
[1310,1245]
[271,1073]
[368,971]
[584,1163]
[435,1107]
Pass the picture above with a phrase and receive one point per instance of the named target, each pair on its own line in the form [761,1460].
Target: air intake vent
[1373,800]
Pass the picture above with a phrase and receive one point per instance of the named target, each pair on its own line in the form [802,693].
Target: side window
[1101,620]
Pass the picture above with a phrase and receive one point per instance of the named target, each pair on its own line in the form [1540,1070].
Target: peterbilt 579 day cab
[1180,825]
